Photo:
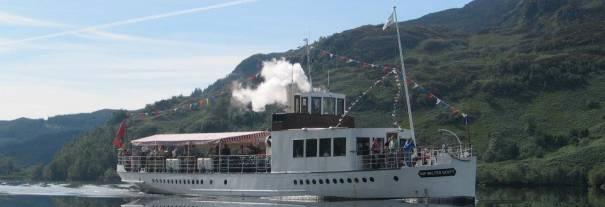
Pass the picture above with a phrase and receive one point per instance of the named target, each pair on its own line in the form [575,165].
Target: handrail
[191,164]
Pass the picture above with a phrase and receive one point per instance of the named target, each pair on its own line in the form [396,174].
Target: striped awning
[203,138]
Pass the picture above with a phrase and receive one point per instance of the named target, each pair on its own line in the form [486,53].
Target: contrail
[128,21]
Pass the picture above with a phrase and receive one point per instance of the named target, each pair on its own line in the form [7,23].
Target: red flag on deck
[117,141]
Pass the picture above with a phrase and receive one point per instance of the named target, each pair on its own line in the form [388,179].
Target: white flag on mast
[390,21]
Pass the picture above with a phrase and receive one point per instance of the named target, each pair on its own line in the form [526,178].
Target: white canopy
[202,138]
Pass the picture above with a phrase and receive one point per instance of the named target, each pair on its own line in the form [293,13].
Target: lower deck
[456,179]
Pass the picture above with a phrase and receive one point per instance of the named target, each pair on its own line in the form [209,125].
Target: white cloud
[15,20]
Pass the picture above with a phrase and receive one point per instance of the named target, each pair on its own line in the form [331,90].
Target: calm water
[123,195]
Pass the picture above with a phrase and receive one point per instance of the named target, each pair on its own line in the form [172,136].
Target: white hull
[409,184]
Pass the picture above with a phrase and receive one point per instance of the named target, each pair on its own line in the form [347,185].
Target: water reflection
[538,197]
[232,202]
[489,197]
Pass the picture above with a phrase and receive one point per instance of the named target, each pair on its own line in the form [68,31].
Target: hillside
[26,142]
[530,74]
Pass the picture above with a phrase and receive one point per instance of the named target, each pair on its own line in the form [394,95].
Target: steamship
[304,154]
[314,149]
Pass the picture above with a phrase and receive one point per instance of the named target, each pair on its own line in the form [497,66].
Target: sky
[74,56]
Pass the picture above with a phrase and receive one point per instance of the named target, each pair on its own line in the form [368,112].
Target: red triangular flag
[117,141]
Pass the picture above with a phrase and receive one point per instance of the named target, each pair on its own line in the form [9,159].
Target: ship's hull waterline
[454,180]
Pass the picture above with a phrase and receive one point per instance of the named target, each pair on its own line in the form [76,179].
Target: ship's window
[363,146]
[340,106]
[328,105]
[225,182]
[356,180]
[297,104]
[349,180]
[295,182]
[371,179]
[327,181]
[314,182]
[395,178]
[197,182]
[300,181]
[311,147]
[307,181]
[210,182]
[325,147]
[340,146]
[315,105]
[334,180]
[365,180]
[321,181]
[304,105]
[298,147]
[202,182]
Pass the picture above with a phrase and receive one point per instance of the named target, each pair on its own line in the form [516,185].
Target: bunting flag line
[388,69]
[376,83]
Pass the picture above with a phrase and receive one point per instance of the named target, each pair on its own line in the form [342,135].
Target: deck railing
[190,164]
[423,156]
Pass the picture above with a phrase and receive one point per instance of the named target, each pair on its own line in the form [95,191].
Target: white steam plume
[277,75]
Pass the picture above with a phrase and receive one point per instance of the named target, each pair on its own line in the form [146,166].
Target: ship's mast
[404,76]
[309,62]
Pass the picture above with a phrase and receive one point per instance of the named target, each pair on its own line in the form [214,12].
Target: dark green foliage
[596,176]
[34,141]
[7,167]
[501,148]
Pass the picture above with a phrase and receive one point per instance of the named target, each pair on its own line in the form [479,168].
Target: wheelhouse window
[304,105]
[340,106]
[328,105]
[311,148]
[340,146]
[363,146]
[325,147]
[298,148]
[315,105]
[296,104]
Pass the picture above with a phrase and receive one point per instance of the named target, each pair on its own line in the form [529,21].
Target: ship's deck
[423,156]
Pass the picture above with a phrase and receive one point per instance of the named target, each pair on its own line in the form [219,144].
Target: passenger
[375,153]
[408,149]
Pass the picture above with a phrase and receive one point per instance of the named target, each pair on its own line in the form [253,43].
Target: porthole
[300,181]
[327,181]
[197,182]
[210,182]
[314,182]
[365,180]
[295,182]
[371,179]
[342,180]
[349,180]
[321,181]
[356,180]
[188,182]
[334,181]
[307,181]
[395,178]
[202,182]
[225,182]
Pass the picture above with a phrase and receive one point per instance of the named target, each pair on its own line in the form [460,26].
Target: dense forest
[530,73]
[27,144]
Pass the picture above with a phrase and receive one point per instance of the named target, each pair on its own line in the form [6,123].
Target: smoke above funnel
[277,74]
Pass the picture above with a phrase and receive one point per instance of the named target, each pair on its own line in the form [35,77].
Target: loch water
[89,195]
